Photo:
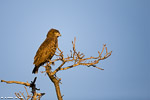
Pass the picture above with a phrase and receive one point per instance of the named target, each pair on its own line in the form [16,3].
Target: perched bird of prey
[47,49]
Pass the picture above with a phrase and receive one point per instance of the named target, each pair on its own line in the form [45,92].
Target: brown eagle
[47,49]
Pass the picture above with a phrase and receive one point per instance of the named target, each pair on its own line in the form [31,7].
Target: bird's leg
[48,67]
[47,64]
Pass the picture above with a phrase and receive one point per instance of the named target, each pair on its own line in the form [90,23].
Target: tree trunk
[56,84]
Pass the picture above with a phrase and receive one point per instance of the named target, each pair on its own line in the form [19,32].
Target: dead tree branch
[16,82]
[35,95]
[79,58]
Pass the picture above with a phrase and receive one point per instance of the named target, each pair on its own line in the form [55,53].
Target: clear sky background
[124,25]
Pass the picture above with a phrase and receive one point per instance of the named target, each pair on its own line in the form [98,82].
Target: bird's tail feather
[35,70]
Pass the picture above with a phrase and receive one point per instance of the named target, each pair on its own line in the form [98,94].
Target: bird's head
[53,32]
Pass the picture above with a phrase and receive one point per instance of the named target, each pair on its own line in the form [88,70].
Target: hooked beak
[58,34]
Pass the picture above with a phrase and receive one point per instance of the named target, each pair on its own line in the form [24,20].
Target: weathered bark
[55,81]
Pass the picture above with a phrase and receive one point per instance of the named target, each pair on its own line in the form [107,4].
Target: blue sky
[123,25]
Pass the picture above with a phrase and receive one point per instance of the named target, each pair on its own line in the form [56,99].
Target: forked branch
[79,58]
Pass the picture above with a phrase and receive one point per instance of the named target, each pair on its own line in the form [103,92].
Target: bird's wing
[45,51]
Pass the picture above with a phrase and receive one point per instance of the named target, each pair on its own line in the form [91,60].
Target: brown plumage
[47,49]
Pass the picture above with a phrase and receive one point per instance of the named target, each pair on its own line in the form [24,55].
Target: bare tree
[75,57]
